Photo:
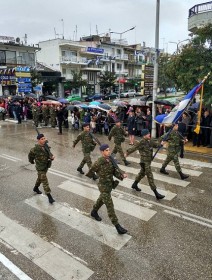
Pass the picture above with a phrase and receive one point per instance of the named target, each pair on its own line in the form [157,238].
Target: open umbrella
[63,100]
[82,105]
[75,102]
[31,95]
[17,97]
[136,102]
[95,103]
[120,103]
[92,106]
[50,97]
[164,102]
[51,102]
[70,107]
[104,107]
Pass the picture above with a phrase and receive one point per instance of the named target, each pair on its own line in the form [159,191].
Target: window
[2,58]
[64,71]
[119,66]
[11,57]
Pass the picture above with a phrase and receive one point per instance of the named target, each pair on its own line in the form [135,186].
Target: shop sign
[22,75]
[24,90]
[95,50]
[22,69]
[24,80]
[25,85]
[7,78]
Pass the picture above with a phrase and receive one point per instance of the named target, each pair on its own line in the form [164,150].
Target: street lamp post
[120,33]
[155,79]
[177,43]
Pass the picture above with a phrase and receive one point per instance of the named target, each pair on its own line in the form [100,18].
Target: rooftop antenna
[56,34]
[63,28]
[96,30]
[90,29]
[25,39]
[76,34]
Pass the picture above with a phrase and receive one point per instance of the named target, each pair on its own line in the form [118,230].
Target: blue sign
[24,90]
[24,80]
[37,88]
[25,85]
[22,69]
[95,50]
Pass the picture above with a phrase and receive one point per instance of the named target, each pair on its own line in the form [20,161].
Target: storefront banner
[22,69]
[24,80]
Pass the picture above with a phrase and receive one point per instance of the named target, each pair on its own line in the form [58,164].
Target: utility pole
[155,79]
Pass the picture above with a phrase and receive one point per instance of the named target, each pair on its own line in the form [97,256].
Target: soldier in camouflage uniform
[45,113]
[42,157]
[106,170]
[145,148]
[175,142]
[53,115]
[88,145]
[35,113]
[118,133]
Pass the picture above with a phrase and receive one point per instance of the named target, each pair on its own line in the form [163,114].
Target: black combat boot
[126,162]
[163,170]
[51,199]
[95,215]
[36,189]
[183,176]
[120,229]
[135,186]
[95,177]
[158,195]
[79,169]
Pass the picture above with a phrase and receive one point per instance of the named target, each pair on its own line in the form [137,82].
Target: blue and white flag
[178,110]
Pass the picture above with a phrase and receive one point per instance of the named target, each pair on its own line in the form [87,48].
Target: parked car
[129,93]
[111,95]
[73,97]
[96,96]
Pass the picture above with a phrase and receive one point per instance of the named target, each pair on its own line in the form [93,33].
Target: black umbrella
[17,97]
[31,95]
[70,107]
[76,102]
[104,107]
[164,102]
[50,97]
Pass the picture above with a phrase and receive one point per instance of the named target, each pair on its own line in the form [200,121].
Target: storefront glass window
[2,58]
[10,57]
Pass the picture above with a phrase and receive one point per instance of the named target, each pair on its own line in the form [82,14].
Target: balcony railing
[73,59]
[200,8]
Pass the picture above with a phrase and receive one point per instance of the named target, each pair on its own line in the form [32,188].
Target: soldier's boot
[126,162]
[183,176]
[120,229]
[158,195]
[51,199]
[95,215]
[95,177]
[135,186]
[36,189]
[163,170]
[79,169]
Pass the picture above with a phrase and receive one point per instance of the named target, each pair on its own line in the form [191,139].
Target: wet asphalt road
[168,246]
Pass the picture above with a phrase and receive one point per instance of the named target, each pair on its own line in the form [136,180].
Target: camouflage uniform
[53,114]
[119,136]
[36,114]
[175,142]
[45,113]
[145,148]
[88,146]
[41,157]
[106,170]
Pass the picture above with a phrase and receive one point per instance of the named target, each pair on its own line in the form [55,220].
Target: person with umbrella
[88,145]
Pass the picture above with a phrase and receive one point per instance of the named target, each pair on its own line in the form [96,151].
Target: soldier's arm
[119,174]
[31,156]
[133,149]
[77,140]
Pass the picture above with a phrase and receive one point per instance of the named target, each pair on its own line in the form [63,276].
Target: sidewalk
[202,150]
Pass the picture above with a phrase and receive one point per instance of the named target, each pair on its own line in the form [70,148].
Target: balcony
[73,60]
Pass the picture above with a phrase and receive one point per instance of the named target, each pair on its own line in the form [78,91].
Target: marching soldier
[118,133]
[88,145]
[175,141]
[106,170]
[42,157]
[145,147]
[45,113]
[35,114]
[53,115]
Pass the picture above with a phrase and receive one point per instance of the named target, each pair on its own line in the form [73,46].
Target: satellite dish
[17,40]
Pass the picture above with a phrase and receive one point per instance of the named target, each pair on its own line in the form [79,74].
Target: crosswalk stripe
[157,176]
[186,161]
[169,167]
[127,183]
[6,157]
[18,159]
[13,268]
[124,206]
[42,253]
[97,230]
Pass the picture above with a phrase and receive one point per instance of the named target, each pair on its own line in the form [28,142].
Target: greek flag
[178,110]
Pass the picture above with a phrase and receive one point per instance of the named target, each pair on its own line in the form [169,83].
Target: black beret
[117,121]
[40,135]
[103,147]
[144,132]
[85,124]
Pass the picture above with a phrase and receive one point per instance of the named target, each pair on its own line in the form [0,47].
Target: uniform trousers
[146,171]
[42,179]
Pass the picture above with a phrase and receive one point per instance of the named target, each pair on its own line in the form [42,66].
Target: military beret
[85,124]
[103,147]
[117,121]
[144,132]
[40,135]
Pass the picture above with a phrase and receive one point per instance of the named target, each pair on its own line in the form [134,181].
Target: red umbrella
[51,102]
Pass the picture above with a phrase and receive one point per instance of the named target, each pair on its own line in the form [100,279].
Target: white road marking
[13,268]
[127,183]
[6,157]
[187,161]
[11,157]
[96,230]
[187,218]
[124,206]
[42,253]
[169,167]
[163,178]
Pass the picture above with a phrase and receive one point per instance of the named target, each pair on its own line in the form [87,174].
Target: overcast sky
[39,18]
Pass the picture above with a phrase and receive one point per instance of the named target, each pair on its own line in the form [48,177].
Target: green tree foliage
[77,80]
[36,77]
[107,80]
[192,63]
